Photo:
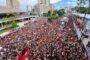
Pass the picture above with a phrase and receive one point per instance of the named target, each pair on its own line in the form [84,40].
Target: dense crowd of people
[45,40]
[80,23]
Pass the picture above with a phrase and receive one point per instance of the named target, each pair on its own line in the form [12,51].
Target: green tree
[81,3]
[80,8]
[11,14]
[61,12]
[49,13]
[54,12]
[14,23]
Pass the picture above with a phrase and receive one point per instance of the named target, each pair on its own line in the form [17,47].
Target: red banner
[23,57]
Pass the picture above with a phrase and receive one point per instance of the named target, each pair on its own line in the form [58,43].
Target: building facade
[43,6]
[14,5]
[11,6]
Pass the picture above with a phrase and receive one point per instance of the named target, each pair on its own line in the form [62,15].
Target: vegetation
[80,8]
[61,12]
[11,14]
[4,30]
[50,18]
[82,2]
[14,23]
[10,17]
[54,14]
[49,13]
[7,29]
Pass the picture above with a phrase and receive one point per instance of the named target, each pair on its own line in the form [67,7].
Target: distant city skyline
[58,3]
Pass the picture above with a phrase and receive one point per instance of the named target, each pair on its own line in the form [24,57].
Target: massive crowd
[45,40]
[80,23]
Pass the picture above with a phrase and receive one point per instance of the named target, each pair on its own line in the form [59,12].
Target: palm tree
[81,2]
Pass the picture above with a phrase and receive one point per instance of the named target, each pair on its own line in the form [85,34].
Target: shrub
[82,10]
[14,23]
[88,10]
[51,18]
[61,12]
[9,18]
[49,13]
[11,14]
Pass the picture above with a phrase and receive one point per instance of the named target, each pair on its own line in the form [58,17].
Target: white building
[29,8]
[14,5]
[44,6]
[11,6]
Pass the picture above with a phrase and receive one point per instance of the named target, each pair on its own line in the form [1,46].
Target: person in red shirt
[24,54]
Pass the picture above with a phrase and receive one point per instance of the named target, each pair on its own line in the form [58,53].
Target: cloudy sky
[57,3]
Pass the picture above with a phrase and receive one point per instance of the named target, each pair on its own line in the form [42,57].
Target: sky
[2,2]
[65,3]
[57,3]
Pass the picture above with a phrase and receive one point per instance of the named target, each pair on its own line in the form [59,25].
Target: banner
[23,57]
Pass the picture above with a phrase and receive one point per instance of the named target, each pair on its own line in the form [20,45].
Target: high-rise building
[29,8]
[47,2]
[13,5]
[40,1]
[9,3]
[44,2]
[44,6]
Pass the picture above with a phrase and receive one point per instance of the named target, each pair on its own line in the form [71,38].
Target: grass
[7,29]
[4,30]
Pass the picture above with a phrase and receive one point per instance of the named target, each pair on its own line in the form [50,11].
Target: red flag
[23,57]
